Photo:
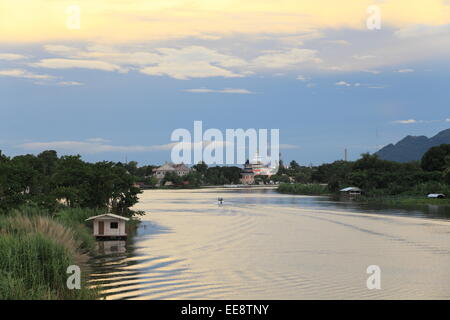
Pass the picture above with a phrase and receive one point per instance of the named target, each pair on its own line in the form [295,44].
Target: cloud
[413,121]
[341,42]
[179,63]
[343,84]
[447,120]
[422,30]
[298,40]
[226,90]
[371,71]
[357,84]
[302,78]
[194,62]
[285,59]
[98,140]
[409,121]
[41,79]
[127,56]
[363,57]
[91,146]
[40,20]
[306,80]
[20,73]
[405,70]
[58,49]
[12,56]
[70,83]
[74,63]
[100,145]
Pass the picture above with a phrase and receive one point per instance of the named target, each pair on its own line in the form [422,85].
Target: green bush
[306,189]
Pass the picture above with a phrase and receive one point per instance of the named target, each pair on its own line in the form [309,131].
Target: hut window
[114,225]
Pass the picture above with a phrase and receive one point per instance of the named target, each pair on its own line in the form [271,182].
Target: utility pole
[345,155]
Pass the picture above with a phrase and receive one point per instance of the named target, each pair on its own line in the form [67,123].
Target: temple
[255,168]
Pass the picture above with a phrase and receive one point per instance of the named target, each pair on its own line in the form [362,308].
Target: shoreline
[394,200]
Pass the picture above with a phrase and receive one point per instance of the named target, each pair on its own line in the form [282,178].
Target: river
[263,245]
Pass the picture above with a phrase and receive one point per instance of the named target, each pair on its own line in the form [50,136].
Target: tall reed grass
[35,252]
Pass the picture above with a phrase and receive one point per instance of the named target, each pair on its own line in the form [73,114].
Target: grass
[303,189]
[35,252]
[75,218]
[36,247]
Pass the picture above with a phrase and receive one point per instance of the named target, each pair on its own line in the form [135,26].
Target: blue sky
[326,89]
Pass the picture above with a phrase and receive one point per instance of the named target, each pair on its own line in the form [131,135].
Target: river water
[263,245]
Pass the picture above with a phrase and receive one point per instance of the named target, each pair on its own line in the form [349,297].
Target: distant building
[436,196]
[247,174]
[179,169]
[351,191]
[255,168]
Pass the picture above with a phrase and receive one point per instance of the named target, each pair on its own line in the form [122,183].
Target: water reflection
[120,267]
[111,247]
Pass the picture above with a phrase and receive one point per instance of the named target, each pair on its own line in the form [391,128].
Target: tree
[47,181]
[447,176]
[48,162]
[201,167]
[294,165]
[173,178]
[435,158]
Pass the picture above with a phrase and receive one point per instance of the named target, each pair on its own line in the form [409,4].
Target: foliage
[49,182]
[378,177]
[36,251]
[306,189]
[436,158]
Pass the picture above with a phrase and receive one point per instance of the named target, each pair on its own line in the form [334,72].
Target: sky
[112,79]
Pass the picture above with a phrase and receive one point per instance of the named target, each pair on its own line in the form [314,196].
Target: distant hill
[412,148]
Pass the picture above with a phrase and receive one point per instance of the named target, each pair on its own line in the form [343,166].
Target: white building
[108,226]
[179,169]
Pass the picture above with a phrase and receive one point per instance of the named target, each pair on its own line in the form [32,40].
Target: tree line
[202,175]
[377,176]
[49,181]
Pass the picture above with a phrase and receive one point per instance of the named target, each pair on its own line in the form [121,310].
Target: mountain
[412,148]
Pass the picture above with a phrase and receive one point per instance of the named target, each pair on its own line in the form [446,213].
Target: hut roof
[436,195]
[108,215]
[351,189]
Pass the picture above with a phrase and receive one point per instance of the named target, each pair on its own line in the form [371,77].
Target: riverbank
[37,248]
[396,200]
[404,201]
